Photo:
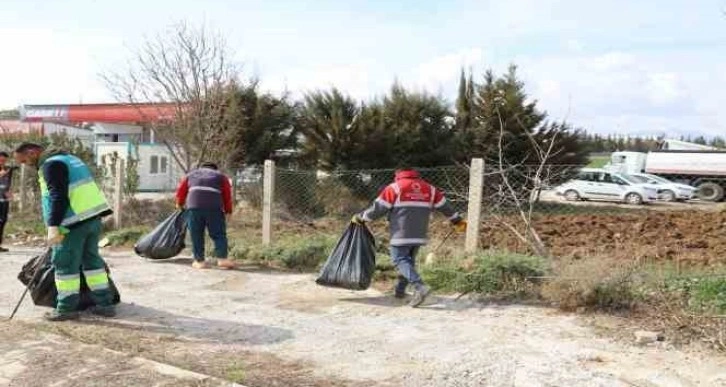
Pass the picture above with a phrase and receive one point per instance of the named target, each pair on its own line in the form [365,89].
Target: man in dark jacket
[6,180]
[207,195]
[72,206]
[408,202]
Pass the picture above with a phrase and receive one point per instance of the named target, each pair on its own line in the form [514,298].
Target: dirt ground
[695,237]
[35,358]
[262,328]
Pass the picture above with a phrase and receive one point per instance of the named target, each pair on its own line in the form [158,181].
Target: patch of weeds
[595,285]
[22,224]
[292,253]
[385,270]
[705,295]
[488,274]
[235,373]
[126,236]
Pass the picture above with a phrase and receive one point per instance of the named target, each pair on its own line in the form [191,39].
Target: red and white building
[112,128]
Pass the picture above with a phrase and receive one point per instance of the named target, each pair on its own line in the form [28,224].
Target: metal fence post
[119,192]
[268,194]
[476,186]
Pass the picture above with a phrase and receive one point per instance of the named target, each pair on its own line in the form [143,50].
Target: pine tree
[718,142]
[326,121]
[700,140]
[463,104]
[503,109]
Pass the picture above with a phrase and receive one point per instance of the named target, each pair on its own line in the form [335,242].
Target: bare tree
[518,185]
[181,83]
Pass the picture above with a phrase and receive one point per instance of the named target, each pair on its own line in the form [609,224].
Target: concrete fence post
[476,187]
[119,192]
[23,197]
[268,196]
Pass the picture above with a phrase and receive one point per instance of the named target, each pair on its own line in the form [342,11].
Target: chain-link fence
[608,215]
[306,196]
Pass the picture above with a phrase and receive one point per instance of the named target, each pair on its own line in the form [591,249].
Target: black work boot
[104,311]
[55,316]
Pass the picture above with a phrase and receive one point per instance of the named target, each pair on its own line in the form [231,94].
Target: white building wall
[156,167]
[86,136]
[158,171]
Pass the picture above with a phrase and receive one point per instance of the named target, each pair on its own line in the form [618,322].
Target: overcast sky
[616,66]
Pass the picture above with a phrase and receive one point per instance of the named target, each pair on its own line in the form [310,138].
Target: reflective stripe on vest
[202,188]
[85,197]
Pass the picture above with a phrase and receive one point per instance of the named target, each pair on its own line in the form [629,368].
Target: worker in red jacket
[206,194]
[408,202]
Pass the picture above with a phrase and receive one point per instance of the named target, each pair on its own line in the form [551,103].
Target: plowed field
[688,236]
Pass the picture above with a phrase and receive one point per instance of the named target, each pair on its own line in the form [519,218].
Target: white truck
[698,166]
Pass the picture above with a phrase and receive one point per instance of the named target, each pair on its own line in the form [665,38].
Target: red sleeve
[388,195]
[227,196]
[181,192]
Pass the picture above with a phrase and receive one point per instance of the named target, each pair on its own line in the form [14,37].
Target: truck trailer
[703,169]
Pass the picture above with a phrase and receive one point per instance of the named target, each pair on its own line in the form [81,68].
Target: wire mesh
[309,195]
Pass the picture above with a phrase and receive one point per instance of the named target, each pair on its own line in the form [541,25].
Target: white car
[667,190]
[599,184]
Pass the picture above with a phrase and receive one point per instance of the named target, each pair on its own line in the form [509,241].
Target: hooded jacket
[409,202]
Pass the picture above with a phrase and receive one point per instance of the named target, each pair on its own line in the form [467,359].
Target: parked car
[599,184]
[667,190]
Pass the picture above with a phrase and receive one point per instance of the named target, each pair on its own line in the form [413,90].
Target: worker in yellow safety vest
[72,206]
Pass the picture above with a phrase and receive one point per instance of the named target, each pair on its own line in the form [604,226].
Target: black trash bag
[39,276]
[166,240]
[353,261]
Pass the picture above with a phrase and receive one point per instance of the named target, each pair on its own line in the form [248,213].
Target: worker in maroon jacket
[207,195]
[408,202]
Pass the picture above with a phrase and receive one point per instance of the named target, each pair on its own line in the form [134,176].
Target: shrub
[489,274]
[126,236]
[293,253]
[594,285]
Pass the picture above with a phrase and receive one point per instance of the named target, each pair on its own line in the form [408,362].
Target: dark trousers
[199,221]
[4,209]
[404,257]
[79,252]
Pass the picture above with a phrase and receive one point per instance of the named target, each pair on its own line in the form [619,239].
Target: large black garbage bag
[39,276]
[353,261]
[166,240]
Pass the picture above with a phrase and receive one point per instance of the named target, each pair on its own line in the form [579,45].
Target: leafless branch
[188,71]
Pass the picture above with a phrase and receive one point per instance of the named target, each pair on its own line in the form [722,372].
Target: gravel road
[370,338]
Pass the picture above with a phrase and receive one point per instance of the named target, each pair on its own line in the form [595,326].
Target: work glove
[179,206]
[54,236]
[357,220]
[460,226]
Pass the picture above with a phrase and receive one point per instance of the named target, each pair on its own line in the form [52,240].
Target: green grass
[598,161]
[704,295]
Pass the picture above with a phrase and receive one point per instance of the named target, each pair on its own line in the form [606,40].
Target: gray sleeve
[377,210]
[443,206]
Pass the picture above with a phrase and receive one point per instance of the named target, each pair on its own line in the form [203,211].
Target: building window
[154,167]
[158,165]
